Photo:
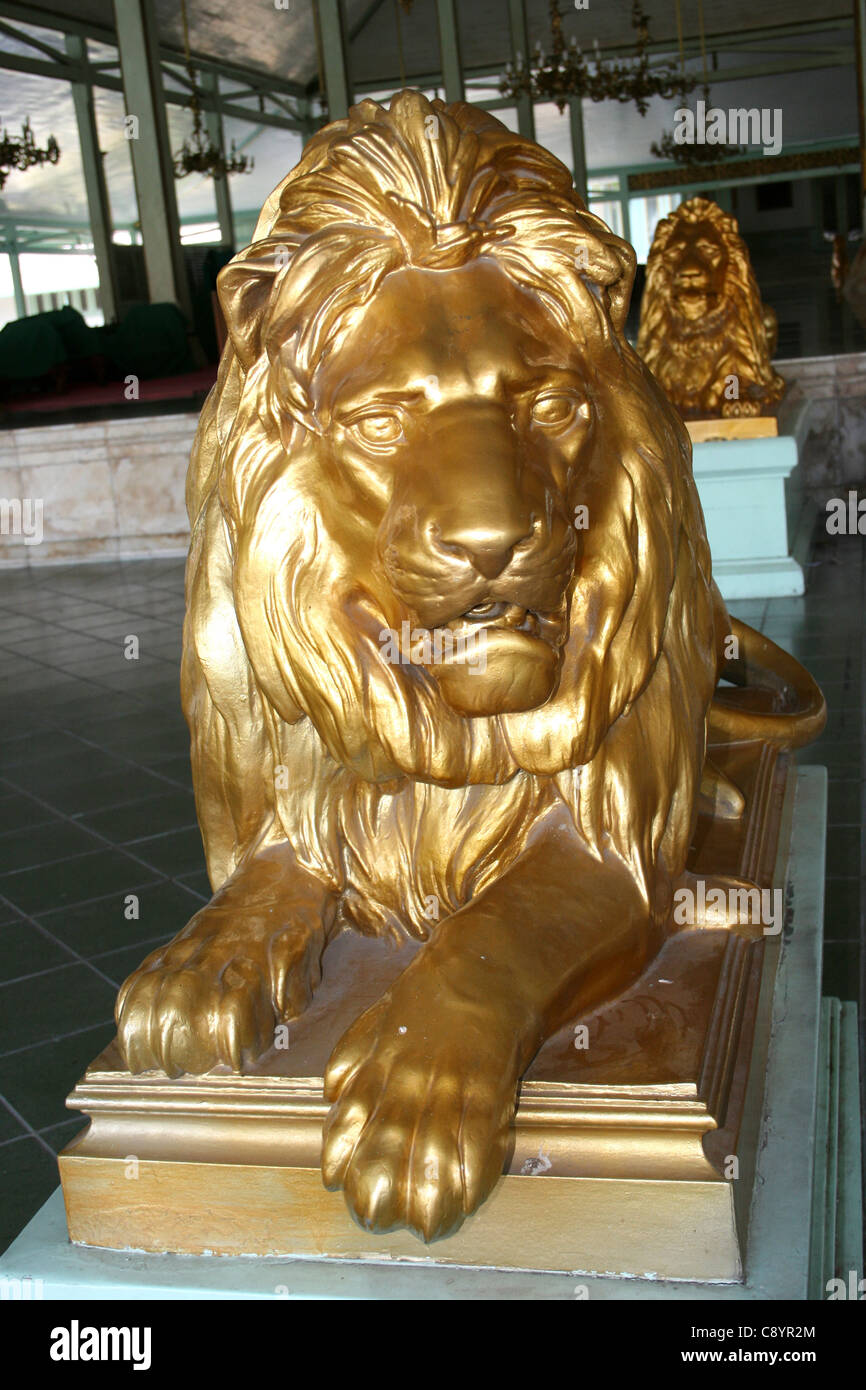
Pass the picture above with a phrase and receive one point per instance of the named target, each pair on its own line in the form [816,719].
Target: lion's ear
[619,289]
[244,287]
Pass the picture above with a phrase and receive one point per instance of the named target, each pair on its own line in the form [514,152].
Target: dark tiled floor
[95,805]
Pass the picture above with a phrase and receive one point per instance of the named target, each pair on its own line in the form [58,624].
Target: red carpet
[164,388]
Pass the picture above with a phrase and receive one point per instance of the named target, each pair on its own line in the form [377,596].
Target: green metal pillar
[98,206]
[860,63]
[214,125]
[332,37]
[449,44]
[138,44]
[17,286]
[520,57]
[578,148]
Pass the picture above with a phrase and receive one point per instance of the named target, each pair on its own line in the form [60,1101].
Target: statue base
[746,483]
[735,427]
[635,1139]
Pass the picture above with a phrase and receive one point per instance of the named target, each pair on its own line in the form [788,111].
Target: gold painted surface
[733,427]
[644,1117]
[288,1211]
[704,331]
[429,444]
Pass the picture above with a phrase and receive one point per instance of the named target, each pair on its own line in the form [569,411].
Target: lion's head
[703,329]
[429,426]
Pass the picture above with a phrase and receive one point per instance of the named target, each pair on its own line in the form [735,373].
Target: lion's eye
[379,429]
[554,410]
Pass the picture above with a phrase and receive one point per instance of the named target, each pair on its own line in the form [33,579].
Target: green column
[332,36]
[520,57]
[98,205]
[214,125]
[138,43]
[449,43]
[578,148]
[17,287]
[860,63]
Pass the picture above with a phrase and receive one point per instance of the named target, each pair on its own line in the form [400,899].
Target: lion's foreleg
[247,960]
[424,1084]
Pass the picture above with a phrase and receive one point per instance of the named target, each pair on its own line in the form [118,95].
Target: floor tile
[842,909]
[28,1176]
[114,922]
[179,852]
[50,1005]
[43,844]
[58,1136]
[37,1080]
[25,950]
[73,881]
[841,976]
[18,811]
[175,811]
[130,783]
[10,1126]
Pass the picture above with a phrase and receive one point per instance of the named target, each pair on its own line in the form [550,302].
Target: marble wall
[111,489]
[832,433]
[115,488]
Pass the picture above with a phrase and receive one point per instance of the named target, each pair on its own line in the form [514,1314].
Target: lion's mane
[737,339]
[300,730]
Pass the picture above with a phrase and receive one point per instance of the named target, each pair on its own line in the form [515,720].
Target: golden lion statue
[704,332]
[451,634]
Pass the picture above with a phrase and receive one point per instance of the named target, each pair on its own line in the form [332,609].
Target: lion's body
[719,361]
[428,417]
[634,691]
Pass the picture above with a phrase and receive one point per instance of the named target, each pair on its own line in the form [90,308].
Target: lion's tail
[764,674]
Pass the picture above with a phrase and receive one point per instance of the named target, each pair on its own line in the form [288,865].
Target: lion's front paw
[180,1017]
[420,1126]
[209,998]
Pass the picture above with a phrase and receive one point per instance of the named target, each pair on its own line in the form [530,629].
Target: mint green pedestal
[746,487]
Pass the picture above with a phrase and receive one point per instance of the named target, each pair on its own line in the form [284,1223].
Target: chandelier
[24,153]
[566,73]
[695,154]
[200,154]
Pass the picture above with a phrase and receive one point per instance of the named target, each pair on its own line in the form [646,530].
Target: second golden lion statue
[428,420]
[703,329]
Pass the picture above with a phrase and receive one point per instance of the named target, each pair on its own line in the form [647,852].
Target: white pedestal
[741,483]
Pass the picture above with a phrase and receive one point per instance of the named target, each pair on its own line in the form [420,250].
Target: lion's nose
[487,553]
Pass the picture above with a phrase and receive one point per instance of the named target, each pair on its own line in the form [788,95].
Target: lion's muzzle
[477,541]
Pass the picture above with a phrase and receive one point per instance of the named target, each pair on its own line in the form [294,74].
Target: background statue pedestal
[747,482]
[785,1222]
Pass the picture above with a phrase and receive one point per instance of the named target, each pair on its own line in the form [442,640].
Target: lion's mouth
[493,614]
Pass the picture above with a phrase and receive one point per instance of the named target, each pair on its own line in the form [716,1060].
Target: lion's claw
[415,1137]
[198,1003]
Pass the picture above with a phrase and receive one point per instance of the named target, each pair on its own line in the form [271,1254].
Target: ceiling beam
[90,76]
[50,19]
[841,58]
